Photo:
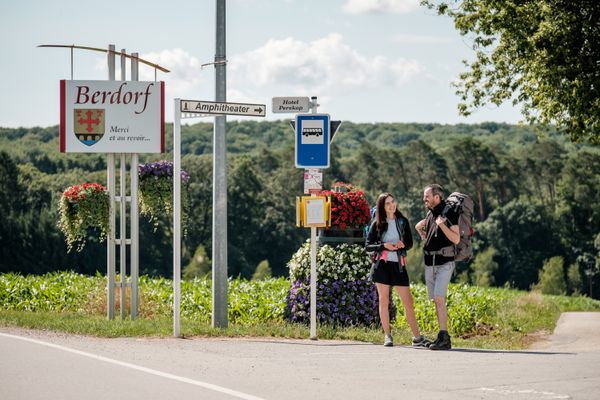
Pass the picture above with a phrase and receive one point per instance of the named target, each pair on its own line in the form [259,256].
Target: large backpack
[462,205]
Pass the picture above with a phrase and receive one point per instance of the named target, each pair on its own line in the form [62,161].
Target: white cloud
[325,65]
[186,72]
[420,39]
[380,6]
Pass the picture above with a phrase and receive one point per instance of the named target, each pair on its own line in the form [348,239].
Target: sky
[365,60]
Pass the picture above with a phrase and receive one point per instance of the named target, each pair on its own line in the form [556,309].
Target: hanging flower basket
[82,207]
[156,191]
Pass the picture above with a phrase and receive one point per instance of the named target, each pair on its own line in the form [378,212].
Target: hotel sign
[112,117]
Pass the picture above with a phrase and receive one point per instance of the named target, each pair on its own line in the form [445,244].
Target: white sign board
[315,211]
[313,180]
[112,117]
[216,108]
[290,105]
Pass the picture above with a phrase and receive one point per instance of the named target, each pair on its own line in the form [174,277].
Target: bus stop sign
[312,140]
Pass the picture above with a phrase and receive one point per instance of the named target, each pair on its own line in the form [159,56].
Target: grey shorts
[437,278]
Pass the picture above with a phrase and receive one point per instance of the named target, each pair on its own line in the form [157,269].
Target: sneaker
[388,341]
[442,342]
[421,341]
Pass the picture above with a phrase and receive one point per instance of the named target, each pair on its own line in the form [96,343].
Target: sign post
[115,117]
[313,135]
[195,109]
[313,212]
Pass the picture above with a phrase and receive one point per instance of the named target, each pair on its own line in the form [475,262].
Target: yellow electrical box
[313,211]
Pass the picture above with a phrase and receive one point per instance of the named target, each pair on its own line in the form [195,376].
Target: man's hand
[420,228]
[451,233]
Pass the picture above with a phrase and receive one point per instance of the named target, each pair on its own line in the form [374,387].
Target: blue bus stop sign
[312,140]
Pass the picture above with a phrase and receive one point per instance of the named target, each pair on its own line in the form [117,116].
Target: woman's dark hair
[380,215]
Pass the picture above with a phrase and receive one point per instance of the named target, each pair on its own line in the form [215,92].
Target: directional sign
[216,108]
[294,105]
[312,140]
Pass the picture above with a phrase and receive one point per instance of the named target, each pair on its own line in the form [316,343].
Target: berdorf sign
[112,117]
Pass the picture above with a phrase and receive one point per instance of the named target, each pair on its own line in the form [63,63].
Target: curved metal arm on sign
[72,46]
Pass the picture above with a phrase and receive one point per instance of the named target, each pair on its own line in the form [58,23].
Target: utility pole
[219,222]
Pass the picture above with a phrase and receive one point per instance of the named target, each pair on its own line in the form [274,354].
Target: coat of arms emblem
[89,125]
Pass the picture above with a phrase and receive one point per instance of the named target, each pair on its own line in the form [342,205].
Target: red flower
[348,209]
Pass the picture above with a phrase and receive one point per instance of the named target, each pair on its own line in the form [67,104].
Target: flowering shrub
[345,296]
[82,207]
[349,207]
[156,191]
[346,262]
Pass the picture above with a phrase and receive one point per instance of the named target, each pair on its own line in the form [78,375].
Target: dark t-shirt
[438,240]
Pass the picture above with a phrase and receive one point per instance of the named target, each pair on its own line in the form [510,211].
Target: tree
[552,277]
[578,204]
[574,280]
[524,235]
[245,215]
[541,54]
[472,169]
[484,268]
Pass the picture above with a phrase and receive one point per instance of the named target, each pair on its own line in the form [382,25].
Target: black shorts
[390,273]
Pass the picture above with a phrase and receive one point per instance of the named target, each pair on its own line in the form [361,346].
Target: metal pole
[313,283]
[134,213]
[176,218]
[110,184]
[122,233]
[123,216]
[313,265]
[219,223]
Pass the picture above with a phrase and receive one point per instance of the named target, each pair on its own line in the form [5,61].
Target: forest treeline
[537,197]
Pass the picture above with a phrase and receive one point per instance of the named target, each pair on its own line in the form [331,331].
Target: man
[440,232]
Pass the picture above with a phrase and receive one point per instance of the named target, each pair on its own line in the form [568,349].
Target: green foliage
[484,268]
[263,271]
[538,53]
[492,313]
[552,277]
[574,280]
[555,183]
[55,291]
[199,265]
[521,233]
[83,207]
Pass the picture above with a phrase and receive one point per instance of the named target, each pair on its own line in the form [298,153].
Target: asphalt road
[46,365]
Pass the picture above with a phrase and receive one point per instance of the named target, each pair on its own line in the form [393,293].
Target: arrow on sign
[333,128]
[216,108]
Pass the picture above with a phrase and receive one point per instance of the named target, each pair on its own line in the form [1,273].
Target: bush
[199,265]
[552,277]
[345,295]
[263,271]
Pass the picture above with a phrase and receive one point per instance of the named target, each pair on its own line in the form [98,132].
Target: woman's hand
[390,246]
[400,244]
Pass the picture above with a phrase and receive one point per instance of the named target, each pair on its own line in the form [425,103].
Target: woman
[389,238]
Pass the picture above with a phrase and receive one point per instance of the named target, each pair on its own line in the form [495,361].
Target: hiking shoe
[421,341]
[388,341]
[442,342]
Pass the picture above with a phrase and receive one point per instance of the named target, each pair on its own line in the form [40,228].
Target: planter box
[334,235]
